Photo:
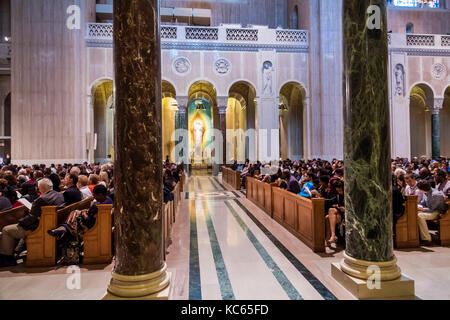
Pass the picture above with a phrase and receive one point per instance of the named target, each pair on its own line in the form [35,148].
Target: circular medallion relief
[182,65]
[439,71]
[222,66]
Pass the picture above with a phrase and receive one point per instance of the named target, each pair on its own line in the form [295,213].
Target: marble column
[181,124]
[140,270]
[435,127]
[223,105]
[367,153]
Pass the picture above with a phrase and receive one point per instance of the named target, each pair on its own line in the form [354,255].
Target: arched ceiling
[103,91]
[168,89]
[243,89]
[203,87]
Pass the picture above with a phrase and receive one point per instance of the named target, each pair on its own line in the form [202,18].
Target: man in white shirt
[411,186]
[83,186]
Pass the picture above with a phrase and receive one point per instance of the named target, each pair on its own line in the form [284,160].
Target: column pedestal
[153,286]
[400,288]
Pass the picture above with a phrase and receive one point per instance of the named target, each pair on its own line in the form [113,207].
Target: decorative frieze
[242,34]
[168,32]
[182,65]
[438,71]
[292,35]
[202,33]
[222,67]
[419,40]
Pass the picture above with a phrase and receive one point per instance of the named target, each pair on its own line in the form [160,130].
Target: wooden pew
[407,229]
[260,193]
[166,222]
[97,240]
[12,216]
[443,225]
[182,180]
[41,247]
[232,178]
[304,218]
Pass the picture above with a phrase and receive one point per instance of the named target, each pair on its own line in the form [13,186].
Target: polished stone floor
[224,247]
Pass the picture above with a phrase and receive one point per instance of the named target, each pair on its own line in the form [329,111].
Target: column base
[397,289]
[154,286]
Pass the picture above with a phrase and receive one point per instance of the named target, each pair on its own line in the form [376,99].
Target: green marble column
[367,152]
[140,269]
[435,128]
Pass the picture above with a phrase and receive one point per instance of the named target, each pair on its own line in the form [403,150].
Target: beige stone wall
[48,81]
[263,12]
[420,71]
[433,21]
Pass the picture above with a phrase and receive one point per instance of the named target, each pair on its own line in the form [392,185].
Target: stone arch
[444,119]
[101,148]
[292,108]
[5,147]
[421,104]
[169,117]
[241,122]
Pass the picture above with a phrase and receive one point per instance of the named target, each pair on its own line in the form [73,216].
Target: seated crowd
[38,186]
[429,179]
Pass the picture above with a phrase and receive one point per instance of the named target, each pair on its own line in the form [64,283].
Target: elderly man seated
[12,233]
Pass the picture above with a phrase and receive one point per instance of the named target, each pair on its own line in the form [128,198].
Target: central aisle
[230,254]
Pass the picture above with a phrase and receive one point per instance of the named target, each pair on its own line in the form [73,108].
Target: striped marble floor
[232,255]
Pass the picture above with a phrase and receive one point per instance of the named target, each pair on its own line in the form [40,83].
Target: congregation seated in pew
[30,222]
[319,178]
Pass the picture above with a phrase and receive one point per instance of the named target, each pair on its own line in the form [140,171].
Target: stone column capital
[182,103]
[222,109]
[438,103]
[222,101]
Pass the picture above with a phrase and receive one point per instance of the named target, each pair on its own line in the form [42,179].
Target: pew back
[12,216]
[304,218]
[260,193]
[444,227]
[407,229]
[97,240]
[41,247]
[232,178]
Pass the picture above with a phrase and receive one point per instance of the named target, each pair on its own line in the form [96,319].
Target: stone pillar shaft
[436,135]
[139,267]
[367,152]
[435,127]
[223,129]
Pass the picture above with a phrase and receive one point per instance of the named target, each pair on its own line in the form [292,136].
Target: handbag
[70,253]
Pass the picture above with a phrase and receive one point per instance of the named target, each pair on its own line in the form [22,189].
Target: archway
[169,114]
[5,141]
[103,105]
[202,119]
[241,123]
[291,108]
[444,119]
[421,101]
[294,18]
